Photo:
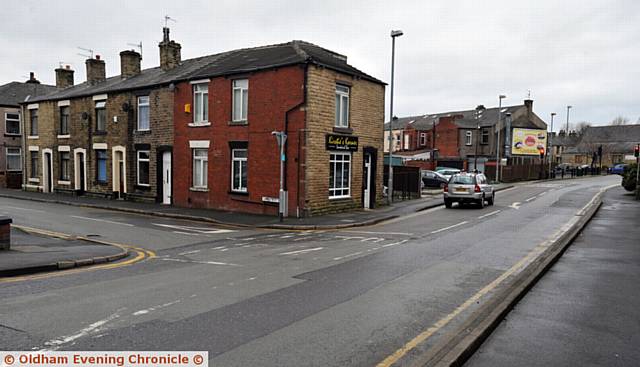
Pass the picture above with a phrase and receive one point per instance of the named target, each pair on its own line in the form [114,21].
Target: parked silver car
[468,188]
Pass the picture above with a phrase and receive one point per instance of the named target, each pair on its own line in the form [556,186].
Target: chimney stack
[64,77]
[529,104]
[129,63]
[32,78]
[96,71]
[169,51]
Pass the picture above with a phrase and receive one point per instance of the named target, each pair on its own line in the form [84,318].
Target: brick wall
[8,179]
[366,121]
[447,139]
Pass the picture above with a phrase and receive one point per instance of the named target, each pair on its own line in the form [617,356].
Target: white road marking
[542,193]
[389,233]
[150,309]
[55,343]
[346,256]
[189,252]
[531,198]
[416,214]
[345,238]
[302,251]
[374,239]
[218,248]
[515,205]
[395,243]
[449,227]
[187,233]
[25,209]
[286,236]
[489,214]
[203,230]
[198,262]
[102,220]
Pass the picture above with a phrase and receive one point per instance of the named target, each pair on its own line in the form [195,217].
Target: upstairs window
[468,137]
[239,170]
[14,159]
[201,103]
[240,99]
[12,123]
[423,139]
[342,106]
[64,120]
[33,122]
[101,116]
[484,139]
[143,113]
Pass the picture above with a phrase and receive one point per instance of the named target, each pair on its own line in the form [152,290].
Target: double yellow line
[140,255]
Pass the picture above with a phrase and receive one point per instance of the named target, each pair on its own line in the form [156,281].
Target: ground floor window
[143,167]
[200,168]
[101,166]
[34,164]
[239,170]
[339,175]
[64,166]
[14,159]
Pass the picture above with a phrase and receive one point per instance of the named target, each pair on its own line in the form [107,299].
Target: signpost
[281,138]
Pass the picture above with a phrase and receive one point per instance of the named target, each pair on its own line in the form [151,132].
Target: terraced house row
[198,132]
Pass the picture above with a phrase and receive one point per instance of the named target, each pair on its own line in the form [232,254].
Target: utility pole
[281,137]
[567,130]
[478,116]
[500,97]
[550,148]
[394,34]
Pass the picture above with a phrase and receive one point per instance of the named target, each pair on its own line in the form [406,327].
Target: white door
[367,181]
[166,178]
[47,173]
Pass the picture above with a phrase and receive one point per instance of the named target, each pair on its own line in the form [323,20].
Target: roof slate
[489,118]
[14,93]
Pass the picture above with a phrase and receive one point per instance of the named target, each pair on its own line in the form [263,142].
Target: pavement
[585,310]
[260,297]
[32,252]
[355,218]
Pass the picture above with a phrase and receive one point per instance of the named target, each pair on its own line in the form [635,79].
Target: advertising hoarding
[528,141]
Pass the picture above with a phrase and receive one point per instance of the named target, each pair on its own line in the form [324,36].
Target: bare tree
[620,120]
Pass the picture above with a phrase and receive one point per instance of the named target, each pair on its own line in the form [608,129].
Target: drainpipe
[286,131]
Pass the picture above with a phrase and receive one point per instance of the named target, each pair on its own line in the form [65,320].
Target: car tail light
[477,188]
[445,188]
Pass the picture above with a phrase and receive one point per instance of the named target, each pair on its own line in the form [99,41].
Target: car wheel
[492,199]
[447,203]
[481,202]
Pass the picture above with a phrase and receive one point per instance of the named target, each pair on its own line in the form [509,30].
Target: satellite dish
[126,106]
[85,116]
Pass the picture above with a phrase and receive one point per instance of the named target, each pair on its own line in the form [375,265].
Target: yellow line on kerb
[141,254]
[398,354]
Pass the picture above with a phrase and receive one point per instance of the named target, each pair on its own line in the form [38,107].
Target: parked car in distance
[433,179]
[447,172]
[618,169]
[468,188]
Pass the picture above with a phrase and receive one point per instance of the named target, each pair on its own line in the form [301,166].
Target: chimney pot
[169,51]
[32,78]
[64,77]
[97,57]
[95,70]
[129,63]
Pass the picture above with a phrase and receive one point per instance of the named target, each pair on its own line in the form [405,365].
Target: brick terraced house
[198,132]
[11,133]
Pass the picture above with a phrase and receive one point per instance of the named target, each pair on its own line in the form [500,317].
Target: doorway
[166,177]
[119,172]
[80,171]
[369,178]
[47,171]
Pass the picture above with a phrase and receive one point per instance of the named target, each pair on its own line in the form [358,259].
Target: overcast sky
[454,54]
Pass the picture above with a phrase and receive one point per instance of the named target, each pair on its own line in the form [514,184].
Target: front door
[366,181]
[166,178]
[118,174]
[48,173]
[80,173]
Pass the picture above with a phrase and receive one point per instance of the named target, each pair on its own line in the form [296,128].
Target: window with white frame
[240,99]
[101,166]
[239,170]
[201,103]
[101,116]
[339,175]
[143,113]
[423,139]
[64,120]
[342,106]
[143,168]
[35,166]
[64,166]
[12,123]
[468,137]
[200,168]
[14,159]
[33,122]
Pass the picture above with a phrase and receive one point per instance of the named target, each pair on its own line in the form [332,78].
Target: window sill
[142,132]
[238,123]
[13,135]
[343,130]
[199,124]
[142,187]
[241,193]
[338,198]
[199,189]
[99,133]
[35,180]
[62,182]
[33,137]
[67,136]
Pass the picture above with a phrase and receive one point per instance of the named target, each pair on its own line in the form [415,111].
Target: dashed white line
[197,262]
[189,252]
[150,309]
[395,243]
[449,227]
[186,233]
[346,256]
[531,198]
[489,214]
[55,343]
[389,233]
[102,220]
[302,251]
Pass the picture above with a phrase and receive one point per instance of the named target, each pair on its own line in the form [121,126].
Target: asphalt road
[274,298]
[585,310]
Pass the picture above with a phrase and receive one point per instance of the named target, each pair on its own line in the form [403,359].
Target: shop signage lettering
[341,142]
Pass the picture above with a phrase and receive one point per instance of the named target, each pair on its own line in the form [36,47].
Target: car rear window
[462,180]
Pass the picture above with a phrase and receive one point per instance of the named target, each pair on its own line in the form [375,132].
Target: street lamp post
[478,116]
[550,148]
[394,34]
[500,97]
[568,108]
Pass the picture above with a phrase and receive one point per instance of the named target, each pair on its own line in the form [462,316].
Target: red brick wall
[271,94]
[447,138]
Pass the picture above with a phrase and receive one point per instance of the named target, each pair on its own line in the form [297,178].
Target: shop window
[339,175]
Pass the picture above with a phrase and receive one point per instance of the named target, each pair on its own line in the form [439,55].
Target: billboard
[528,141]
